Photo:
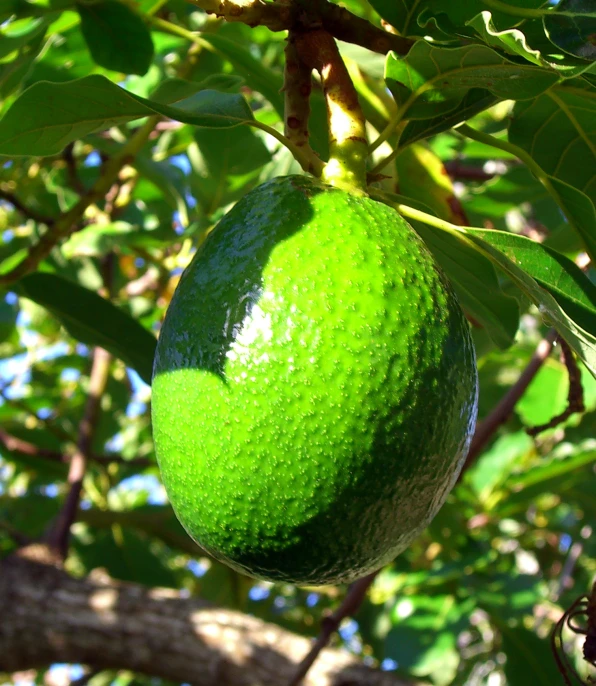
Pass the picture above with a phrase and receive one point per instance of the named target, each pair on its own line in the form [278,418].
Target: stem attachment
[348,146]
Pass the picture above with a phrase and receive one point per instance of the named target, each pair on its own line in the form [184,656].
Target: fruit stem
[348,146]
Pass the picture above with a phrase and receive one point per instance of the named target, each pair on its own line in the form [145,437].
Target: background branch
[23,209]
[59,535]
[18,445]
[50,617]
[575,395]
[350,605]
[502,411]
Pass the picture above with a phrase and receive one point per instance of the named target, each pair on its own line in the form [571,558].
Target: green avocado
[314,388]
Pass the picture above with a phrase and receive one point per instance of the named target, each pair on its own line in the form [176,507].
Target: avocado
[314,388]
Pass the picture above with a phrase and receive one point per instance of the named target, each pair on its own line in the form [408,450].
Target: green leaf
[474,101]
[117,37]
[495,465]
[48,116]
[95,240]
[476,284]
[582,341]
[575,30]
[559,130]
[12,42]
[269,83]
[8,319]
[429,80]
[416,17]
[559,275]
[91,319]
[529,658]
[220,175]
[512,40]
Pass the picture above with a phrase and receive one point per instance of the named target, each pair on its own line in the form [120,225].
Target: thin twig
[59,536]
[467,172]
[23,209]
[330,624]
[71,169]
[575,395]
[501,412]
[18,445]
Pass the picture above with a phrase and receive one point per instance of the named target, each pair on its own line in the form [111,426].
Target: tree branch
[49,617]
[18,445]
[59,535]
[350,605]
[23,209]
[308,16]
[575,395]
[501,412]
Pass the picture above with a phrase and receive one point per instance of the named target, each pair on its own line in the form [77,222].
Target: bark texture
[48,616]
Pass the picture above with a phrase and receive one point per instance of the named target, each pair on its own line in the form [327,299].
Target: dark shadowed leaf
[575,31]
[430,80]
[92,319]
[117,37]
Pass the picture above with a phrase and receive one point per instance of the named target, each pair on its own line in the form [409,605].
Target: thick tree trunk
[48,616]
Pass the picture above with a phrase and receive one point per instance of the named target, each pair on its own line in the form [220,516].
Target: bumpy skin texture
[314,387]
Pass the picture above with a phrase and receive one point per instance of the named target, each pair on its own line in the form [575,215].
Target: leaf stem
[394,122]
[309,162]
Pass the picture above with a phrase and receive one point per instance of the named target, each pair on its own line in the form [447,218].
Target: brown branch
[502,411]
[467,172]
[59,535]
[18,445]
[297,88]
[348,27]
[308,15]
[575,395]
[71,169]
[23,209]
[49,617]
[330,624]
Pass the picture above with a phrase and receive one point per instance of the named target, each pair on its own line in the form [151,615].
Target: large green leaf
[559,275]
[430,80]
[582,341]
[474,101]
[559,130]
[529,658]
[48,116]
[92,319]
[117,37]
[475,283]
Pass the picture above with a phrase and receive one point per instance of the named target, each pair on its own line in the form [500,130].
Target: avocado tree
[127,131]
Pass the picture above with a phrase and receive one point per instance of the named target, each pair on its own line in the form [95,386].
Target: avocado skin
[314,388]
